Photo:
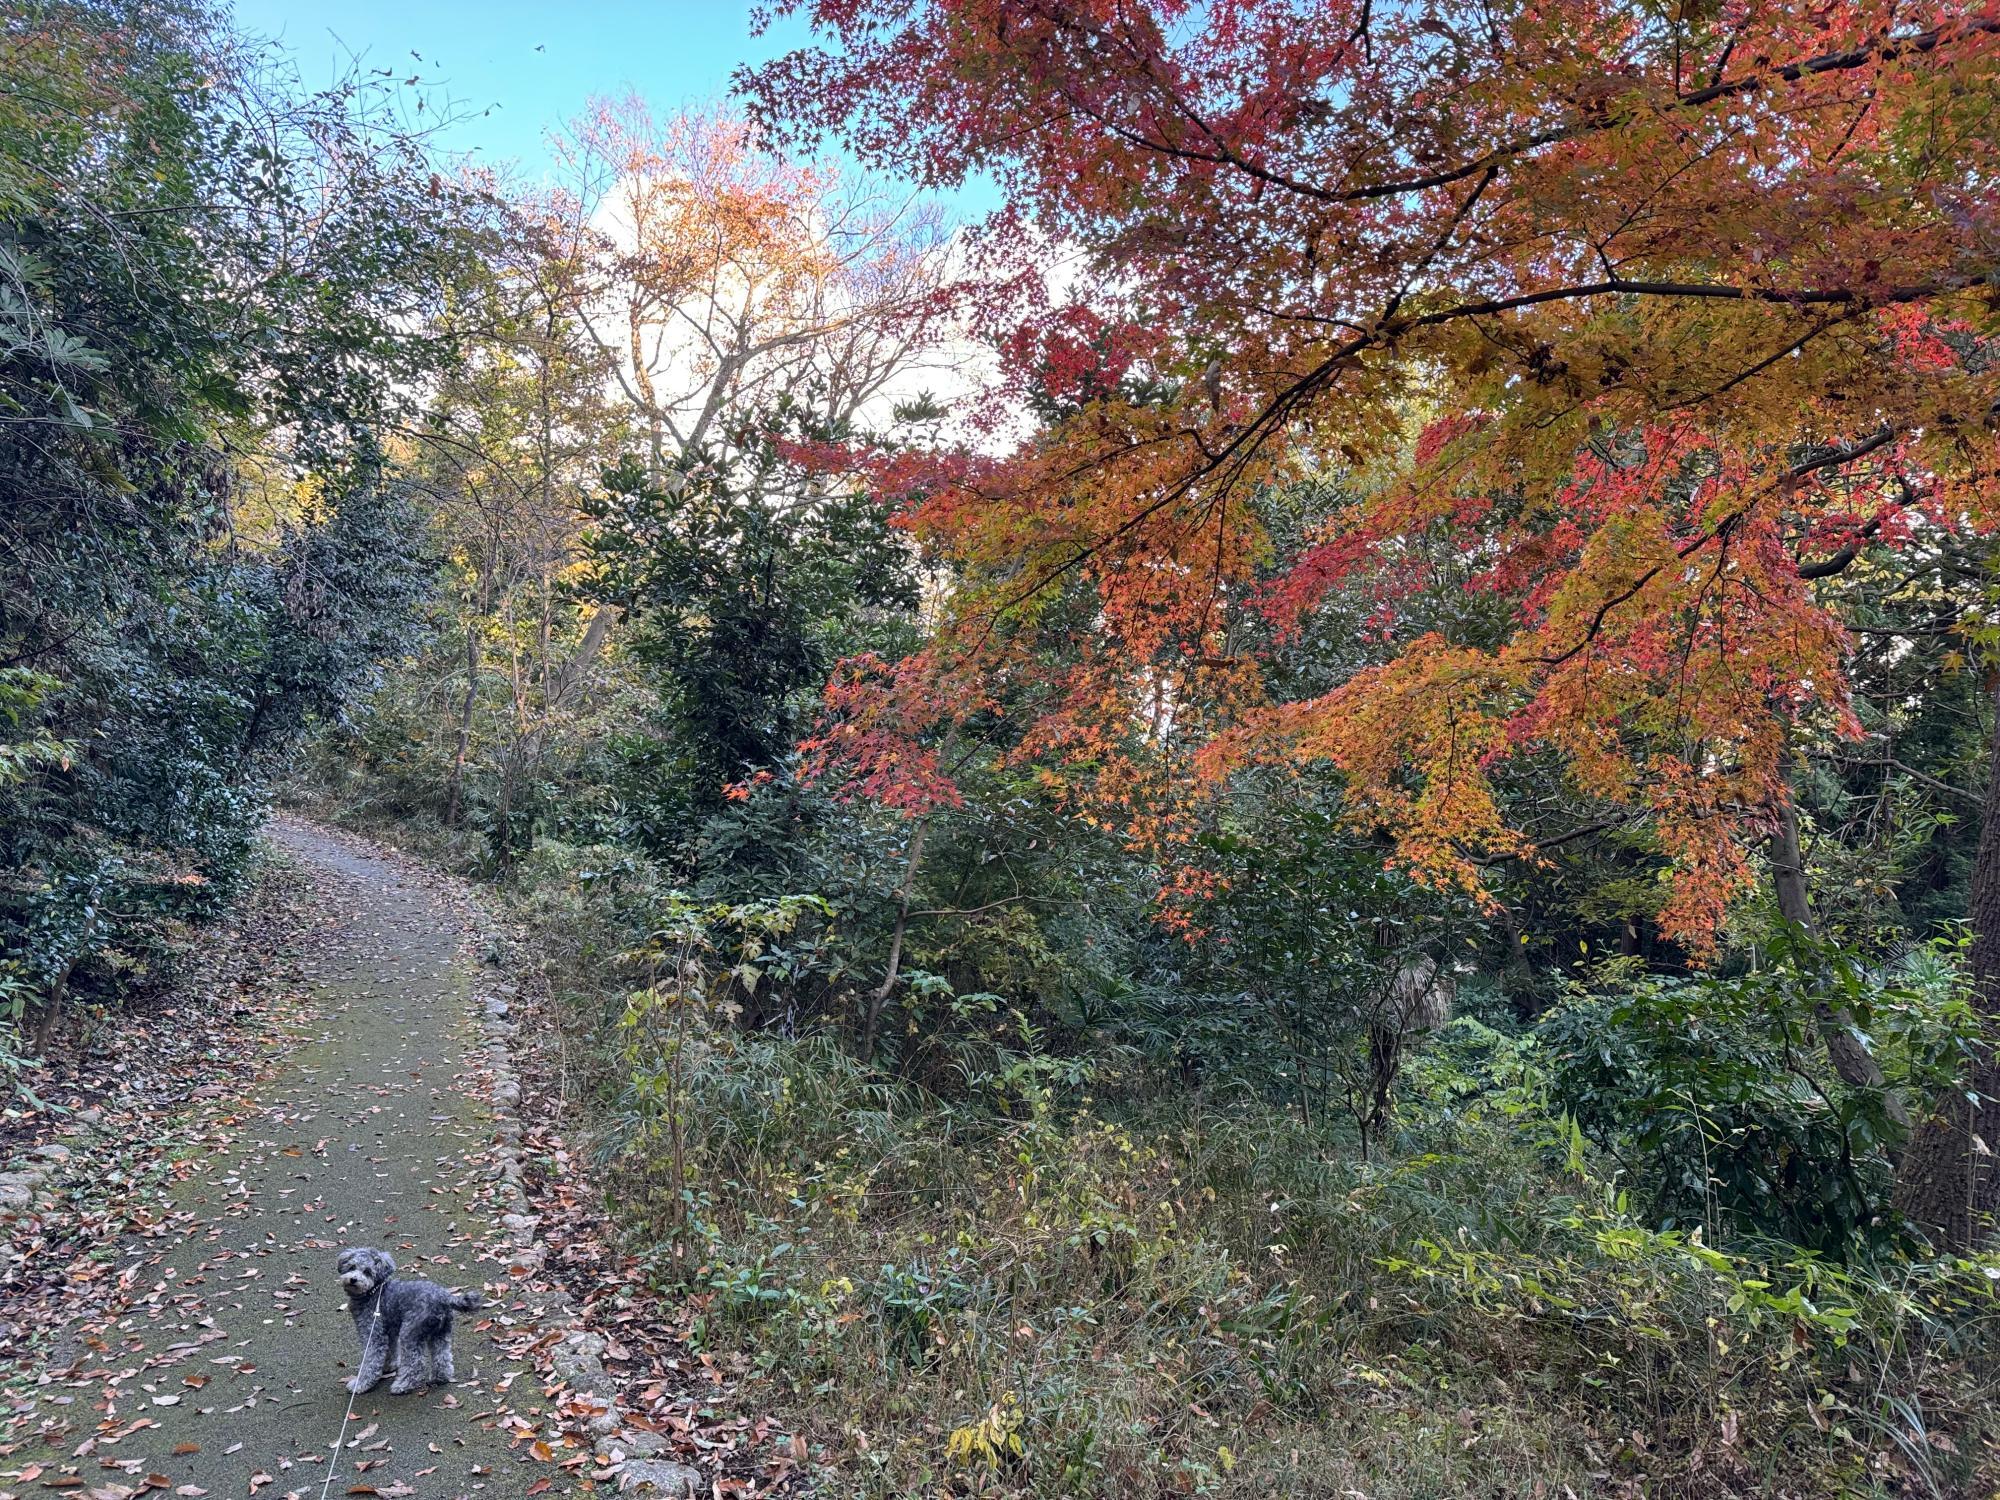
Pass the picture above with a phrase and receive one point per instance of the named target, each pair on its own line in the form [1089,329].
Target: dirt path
[365,1134]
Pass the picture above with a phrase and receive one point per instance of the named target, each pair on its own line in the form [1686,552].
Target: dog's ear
[388,1263]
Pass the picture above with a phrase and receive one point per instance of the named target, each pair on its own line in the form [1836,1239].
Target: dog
[405,1326]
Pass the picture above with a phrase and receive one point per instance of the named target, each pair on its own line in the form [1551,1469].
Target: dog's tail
[466,1301]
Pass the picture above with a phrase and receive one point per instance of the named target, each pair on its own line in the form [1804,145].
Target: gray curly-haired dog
[405,1326]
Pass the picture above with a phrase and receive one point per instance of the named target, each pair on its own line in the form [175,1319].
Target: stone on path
[659,1476]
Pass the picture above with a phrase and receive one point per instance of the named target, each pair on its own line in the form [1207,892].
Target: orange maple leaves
[1705,300]
[1665,638]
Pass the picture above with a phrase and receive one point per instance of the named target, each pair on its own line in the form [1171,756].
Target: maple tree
[1697,300]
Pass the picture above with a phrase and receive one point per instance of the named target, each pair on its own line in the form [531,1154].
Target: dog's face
[362,1270]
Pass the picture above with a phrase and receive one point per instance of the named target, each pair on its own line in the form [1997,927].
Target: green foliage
[1036,1277]
[26,748]
[1292,960]
[743,596]
[1099,1278]
[205,552]
[1714,1095]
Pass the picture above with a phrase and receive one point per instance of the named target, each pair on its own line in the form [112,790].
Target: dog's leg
[411,1364]
[374,1352]
[441,1366]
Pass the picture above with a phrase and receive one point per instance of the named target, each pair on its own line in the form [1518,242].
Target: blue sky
[513,69]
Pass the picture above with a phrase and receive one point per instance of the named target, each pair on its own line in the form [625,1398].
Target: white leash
[340,1443]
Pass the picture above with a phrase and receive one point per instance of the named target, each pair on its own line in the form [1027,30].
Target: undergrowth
[1024,1288]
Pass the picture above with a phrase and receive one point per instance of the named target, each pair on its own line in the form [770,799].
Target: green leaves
[743,590]
[212,290]
[1714,1096]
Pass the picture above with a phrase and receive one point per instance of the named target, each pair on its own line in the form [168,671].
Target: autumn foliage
[1657,314]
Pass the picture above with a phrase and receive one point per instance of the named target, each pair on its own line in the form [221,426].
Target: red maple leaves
[1640,323]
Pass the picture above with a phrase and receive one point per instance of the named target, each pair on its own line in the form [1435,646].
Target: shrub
[1713,1093]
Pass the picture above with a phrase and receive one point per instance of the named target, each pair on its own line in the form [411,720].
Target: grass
[1223,1301]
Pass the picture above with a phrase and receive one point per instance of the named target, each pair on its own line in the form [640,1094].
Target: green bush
[1714,1096]
[1043,1281]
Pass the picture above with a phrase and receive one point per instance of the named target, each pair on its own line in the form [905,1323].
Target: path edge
[495,953]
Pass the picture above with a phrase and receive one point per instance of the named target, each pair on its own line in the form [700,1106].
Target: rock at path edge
[659,1476]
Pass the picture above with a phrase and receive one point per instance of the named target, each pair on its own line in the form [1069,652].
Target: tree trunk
[455,801]
[572,669]
[643,379]
[880,995]
[45,1028]
[1517,979]
[1947,1181]
[1850,1057]
[52,1006]
[452,803]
